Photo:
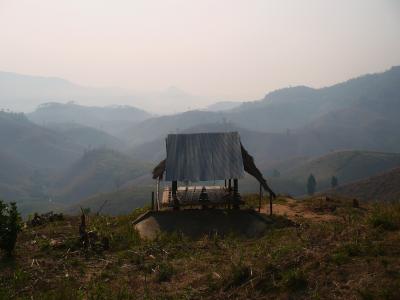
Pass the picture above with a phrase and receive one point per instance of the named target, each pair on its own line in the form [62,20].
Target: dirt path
[294,209]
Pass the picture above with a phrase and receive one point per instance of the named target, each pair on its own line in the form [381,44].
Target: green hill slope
[121,201]
[86,136]
[36,145]
[98,171]
[347,166]
[15,178]
[381,187]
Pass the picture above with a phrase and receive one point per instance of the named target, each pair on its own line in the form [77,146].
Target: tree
[276,173]
[334,182]
[10,226]
[311,184]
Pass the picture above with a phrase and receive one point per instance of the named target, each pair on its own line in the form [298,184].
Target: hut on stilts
[196,162]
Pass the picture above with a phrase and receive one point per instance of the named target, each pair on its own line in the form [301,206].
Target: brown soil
[296,210]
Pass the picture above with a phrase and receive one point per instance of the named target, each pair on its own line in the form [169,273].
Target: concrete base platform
[196,223]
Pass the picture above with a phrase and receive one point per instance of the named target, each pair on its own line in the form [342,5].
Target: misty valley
[63,156]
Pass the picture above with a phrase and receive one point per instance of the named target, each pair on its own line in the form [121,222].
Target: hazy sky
[221,49]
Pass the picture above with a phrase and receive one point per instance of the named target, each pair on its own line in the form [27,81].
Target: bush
[295,280]
[239,273]
[164,272]
[311,184]
[9,226]
[386,216]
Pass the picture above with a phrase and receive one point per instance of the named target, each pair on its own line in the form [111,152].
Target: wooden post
[152,200]
[230,193]
[236,193]
[260,199]
[270,204]
[175,202]
[158,194]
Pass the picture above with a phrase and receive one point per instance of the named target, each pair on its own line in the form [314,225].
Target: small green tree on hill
[334,182]
[311,184]
[276,173]
[10,226]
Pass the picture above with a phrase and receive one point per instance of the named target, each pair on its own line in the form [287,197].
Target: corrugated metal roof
[204,156]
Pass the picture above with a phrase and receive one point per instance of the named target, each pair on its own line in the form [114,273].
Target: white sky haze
[219,49]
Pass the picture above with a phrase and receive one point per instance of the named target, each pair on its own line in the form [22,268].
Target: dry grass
[354,256]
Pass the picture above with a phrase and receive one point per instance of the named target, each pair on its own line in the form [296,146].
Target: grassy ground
[353,255]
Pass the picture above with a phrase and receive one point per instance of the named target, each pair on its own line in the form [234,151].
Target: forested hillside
[88,137]
[97,171]
[34,144]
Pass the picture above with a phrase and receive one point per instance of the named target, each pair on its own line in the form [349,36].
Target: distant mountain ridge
[297,106]
[223,105]
[111,119]
[361,113]
[23,93]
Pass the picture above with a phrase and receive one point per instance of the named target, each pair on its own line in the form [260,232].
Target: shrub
[239,273]
[164,272]
[339,258]
[295,280]
[353,249]
[9,226]
[334,182]
[311,184]
[386,216]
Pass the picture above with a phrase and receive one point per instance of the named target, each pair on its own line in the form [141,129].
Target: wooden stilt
[260,199]
[230,193]
[152,200]
[236,193]
[270,204]
[175,201]
[158,194]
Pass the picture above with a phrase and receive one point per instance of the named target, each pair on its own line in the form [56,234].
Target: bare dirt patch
[296,209]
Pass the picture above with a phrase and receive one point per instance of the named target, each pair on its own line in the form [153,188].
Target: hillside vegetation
[98,171]
[88,137]
[19,179]
[118,202]
[347,166]
[31,143]
[349,253]
[381,187]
